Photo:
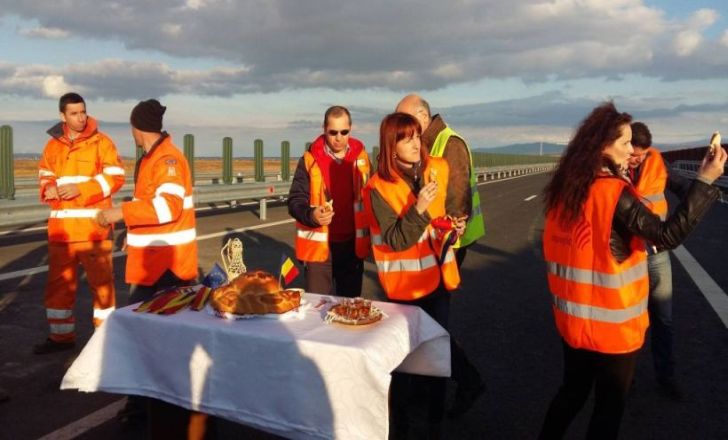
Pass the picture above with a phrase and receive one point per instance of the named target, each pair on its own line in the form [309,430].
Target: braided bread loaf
[254,293]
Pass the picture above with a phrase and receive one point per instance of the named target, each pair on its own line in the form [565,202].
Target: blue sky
[500,72]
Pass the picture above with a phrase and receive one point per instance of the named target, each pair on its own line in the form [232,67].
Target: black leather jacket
[632,218]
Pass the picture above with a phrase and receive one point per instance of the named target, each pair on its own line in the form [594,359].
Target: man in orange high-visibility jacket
[79,171]
[161,238]
[160,220]
[652,178]
[332,237]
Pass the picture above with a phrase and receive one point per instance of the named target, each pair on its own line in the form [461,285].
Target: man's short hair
[641,136]
[70,98]
[336,111]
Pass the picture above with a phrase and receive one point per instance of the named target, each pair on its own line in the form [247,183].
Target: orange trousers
[60,294]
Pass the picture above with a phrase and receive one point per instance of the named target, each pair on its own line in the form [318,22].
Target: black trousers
[609,374]
[341,274]
[437,305]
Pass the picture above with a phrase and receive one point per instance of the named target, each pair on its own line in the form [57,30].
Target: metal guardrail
[27,210]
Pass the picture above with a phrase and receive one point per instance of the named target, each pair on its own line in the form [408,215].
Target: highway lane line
[529,198]
[87,423]
[41,269]
[716,297]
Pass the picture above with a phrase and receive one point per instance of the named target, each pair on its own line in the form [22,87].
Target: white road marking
[87,423]
[41,269]
[716,297]
[529,198]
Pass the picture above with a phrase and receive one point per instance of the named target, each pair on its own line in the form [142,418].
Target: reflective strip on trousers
[72,179]
[601,279]
[103,313]
[361,233]
[407,265]
[105,188]
[61,329]
[74,213]
[58,313]
[168,239]
[358,206]
[313,235]
[600,314]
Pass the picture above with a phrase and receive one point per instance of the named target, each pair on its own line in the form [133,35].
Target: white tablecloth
[297,378]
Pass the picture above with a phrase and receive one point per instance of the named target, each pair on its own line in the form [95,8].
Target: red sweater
[342,190]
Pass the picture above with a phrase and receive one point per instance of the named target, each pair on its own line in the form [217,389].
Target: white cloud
[686,42]
[724,38]
[54,86]
[46,33]
[275,45]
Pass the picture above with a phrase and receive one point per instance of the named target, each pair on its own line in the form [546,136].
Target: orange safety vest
[412,273]
[92,162]
[599,304]
[312,244]
[652,182]
[160,219]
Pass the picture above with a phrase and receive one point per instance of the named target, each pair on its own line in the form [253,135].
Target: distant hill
[534,148]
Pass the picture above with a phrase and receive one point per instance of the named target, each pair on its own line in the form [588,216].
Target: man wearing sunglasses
[325,199]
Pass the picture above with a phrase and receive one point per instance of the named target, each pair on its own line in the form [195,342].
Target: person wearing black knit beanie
[161,249]
[147,116]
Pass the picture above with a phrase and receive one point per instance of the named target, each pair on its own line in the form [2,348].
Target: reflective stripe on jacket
[312,244]
[475,227]
[160,219]
[599,304]
[90,161]
[414,272]
[652,182]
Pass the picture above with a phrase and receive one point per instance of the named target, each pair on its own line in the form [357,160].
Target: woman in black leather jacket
[596,225]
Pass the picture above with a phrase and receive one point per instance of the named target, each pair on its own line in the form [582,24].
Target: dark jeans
[660,310]
[341,274]
[609,374]
[437,305]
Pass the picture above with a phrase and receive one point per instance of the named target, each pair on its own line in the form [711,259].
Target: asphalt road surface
[501,316]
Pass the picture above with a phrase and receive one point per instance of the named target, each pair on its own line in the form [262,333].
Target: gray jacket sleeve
[398,233]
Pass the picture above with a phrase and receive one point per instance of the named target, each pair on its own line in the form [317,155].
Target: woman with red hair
[414,263]
[594,247]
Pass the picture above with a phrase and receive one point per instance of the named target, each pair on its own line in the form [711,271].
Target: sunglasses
[335,133]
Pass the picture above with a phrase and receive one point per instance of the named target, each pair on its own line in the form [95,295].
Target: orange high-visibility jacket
[312,244]
[160,220]
[92,162]
[599,304]
[652,182]
[413,273]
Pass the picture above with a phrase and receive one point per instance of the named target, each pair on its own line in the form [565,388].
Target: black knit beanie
[147,116]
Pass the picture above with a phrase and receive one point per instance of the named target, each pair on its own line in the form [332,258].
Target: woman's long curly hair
[581,162]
